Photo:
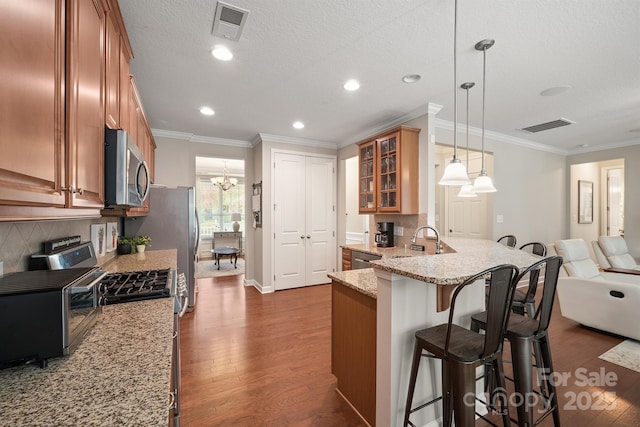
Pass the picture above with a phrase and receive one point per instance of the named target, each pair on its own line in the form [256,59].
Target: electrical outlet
[398,231]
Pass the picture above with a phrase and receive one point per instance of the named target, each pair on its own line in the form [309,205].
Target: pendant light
[455,173]
[467,189]
[483,183]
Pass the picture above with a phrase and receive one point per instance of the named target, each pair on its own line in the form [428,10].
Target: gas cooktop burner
[135,286]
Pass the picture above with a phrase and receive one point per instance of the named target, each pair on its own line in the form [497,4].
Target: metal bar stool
[524,301]
[508,240]
[523,333]
[462,350]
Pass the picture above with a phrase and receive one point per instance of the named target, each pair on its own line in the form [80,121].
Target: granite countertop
[148,260]
[119,375]
[392,252]
[363,280]
[470,257]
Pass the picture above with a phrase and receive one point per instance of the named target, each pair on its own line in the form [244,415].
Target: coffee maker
[384,235]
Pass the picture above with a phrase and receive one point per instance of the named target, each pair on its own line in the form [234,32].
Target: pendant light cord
[484,84]
[467,89]
[455,81]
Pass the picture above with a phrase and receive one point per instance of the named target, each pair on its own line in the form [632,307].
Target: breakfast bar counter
[412,292]
[118,376]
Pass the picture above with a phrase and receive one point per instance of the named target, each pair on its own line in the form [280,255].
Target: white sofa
[605,301]
[615,249]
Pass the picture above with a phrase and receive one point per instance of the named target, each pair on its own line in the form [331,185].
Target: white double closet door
[304,220]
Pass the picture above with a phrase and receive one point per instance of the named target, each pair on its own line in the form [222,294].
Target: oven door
[81,305]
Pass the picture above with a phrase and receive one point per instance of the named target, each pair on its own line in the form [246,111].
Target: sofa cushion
[576,258]
[617,252]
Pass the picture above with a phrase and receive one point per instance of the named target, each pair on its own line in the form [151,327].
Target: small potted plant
[124,245]
[141,242]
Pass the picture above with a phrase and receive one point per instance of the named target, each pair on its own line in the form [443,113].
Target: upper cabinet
[85,103]
[388,172]
[64,77]
[32,105]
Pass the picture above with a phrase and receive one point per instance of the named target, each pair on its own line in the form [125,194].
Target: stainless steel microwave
[126,177]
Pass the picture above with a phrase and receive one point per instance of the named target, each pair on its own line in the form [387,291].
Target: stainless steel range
[136,286]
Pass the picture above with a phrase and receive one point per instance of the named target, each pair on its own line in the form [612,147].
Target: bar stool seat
[462,350]
[526,335]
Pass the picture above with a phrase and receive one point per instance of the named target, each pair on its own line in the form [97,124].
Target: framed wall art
[585,202]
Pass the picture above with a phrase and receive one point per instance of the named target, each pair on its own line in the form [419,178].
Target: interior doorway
[220,200]
[468,217]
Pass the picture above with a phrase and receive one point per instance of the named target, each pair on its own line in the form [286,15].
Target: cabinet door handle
[73,190]
[308,237]
[302,237]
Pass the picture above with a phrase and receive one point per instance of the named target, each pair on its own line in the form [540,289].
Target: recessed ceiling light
[207,111]
[298,125]
[553,91]
[351,85]
[222,53]
[411,78]
[583,145]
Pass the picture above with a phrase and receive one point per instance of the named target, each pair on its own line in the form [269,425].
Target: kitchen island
[118,376]
[412,293]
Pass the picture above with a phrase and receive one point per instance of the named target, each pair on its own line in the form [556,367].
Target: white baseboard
[258,286]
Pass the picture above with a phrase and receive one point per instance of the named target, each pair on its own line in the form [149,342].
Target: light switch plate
[499,219]
[1,268]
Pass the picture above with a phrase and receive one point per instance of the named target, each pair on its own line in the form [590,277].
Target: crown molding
[428,108]
[445,124]
[295,141]
[201,139]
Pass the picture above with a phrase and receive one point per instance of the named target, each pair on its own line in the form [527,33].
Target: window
[216,206]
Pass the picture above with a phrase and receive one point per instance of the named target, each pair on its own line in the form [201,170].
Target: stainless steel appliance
[172,222]
[384,235]
[126,175]
[46,313]
[361,259]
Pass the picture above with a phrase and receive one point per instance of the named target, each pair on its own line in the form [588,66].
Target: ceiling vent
[229,21]
[549,125]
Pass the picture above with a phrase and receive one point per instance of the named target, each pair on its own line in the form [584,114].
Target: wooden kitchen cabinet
[32,42]
[52,109]
[388,172]
[346,259]
[85,103]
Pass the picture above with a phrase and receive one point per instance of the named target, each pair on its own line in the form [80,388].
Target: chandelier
[224,182]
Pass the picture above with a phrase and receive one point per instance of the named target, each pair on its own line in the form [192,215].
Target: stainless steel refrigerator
[172,223]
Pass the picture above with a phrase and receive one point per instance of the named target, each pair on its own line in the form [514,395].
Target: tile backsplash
[19,240]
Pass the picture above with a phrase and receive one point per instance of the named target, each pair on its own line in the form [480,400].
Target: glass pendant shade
[467,191]
[455,174]
[483,184]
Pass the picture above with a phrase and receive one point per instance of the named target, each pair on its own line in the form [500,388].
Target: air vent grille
[549,125]
[229,21]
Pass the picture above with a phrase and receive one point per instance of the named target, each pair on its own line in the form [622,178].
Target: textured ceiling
[294,56]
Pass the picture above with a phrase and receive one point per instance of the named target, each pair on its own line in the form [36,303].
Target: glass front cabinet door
[388,176]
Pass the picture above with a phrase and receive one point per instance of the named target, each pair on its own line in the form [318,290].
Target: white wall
[531,194]
[175,165]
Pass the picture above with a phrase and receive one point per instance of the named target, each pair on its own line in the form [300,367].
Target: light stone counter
[118,376]
[470,257]
[363,280]
[148,260]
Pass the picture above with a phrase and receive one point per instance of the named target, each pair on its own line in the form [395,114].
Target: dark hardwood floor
[264,360]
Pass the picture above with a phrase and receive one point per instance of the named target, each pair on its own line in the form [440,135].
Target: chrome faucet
[438,245]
